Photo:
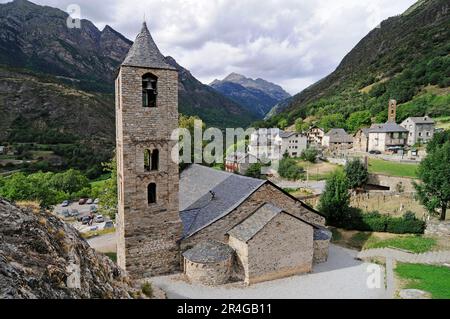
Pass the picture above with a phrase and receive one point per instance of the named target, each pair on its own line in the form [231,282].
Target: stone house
[388,137]
[247,215]
[169,222]
[239,162]
[337,139]
[315,136]
[421,129]
[361,140]
[273,143]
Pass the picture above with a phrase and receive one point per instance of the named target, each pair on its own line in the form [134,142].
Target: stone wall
[147,233]
[392,182]
[284,247]
[211,274]
[321,251]
[266,193]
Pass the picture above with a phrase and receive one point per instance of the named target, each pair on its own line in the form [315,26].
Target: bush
[289,169]
[354,219]
[147,289]
[310,155]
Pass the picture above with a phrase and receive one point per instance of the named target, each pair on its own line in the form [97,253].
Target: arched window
[147,158]
[149,90]
[155,160]
[151,193]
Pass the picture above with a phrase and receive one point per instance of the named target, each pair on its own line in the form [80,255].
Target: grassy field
[318,171]
[433,279]
[443,122]
[415,244]
[377,166]
[368,240]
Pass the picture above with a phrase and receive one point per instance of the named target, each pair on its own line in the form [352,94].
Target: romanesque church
[213,226]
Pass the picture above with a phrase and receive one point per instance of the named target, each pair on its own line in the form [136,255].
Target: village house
[337,139]
[212,225]
[238,162]
[361,140]
[2,149]
[389,137]
[272,144]
[315,136]
[421,129]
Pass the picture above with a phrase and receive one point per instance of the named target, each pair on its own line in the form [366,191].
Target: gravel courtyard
[342,277]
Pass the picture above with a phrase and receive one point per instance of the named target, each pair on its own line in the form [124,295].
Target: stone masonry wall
[266,193]
[321,251]
[284,247]
[148,233]
[392,182]
[211,274]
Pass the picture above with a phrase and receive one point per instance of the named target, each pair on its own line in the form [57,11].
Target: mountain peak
[232,77]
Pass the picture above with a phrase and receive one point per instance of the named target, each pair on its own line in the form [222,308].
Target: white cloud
[291,42]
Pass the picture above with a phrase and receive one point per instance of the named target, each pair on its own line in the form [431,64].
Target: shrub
[310,155]
[147,289]
[289,169]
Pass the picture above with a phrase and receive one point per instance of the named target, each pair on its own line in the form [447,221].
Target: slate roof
[421,120]
[198,207]
[322,234]
[145,53]
[209,251]
[241,158]
[247,229]
[388,127]
[284,134]
[339,135]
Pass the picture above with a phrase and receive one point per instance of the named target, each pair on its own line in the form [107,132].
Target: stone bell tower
[148,222]
[392,111]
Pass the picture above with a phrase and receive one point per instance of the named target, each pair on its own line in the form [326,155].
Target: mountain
[406,58]
[41,257]
[60,79]
[257,96]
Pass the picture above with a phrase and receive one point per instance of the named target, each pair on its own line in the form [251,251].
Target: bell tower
[392,112]
[148,222]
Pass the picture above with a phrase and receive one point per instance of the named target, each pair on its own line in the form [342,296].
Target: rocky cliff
[42,257]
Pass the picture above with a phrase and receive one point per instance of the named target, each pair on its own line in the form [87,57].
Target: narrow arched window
[149,90]
[151,193]
[155,160]
[147,158]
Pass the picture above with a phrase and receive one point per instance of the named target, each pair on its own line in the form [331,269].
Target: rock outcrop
[42,257]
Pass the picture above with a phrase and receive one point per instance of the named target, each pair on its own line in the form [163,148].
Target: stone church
[214,226]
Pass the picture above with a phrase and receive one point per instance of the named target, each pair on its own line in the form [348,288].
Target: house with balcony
[421,129]
[387,138]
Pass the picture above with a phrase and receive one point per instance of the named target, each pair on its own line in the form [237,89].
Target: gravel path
[342,277]
[104,244]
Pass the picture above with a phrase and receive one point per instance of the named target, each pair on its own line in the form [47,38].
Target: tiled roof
[339,135]
[421,120]
[247,229]
[229,190]
[209,251]
[388,127]
[145,53]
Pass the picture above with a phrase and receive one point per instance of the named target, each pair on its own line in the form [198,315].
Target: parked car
[93,228]
[99,219]
[93,208]
[82,201]
[74,213]
[90,201]
[65,213]
[108,224]
[85,220]
[375,152]
[65,203]
[96,201]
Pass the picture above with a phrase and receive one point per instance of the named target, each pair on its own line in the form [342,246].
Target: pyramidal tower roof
[144,52]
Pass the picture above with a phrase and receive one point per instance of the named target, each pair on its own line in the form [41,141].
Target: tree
[335,200]
[358,120]
[254,170]
[282,124]
[438,140]
[301,125]
[332,121]
[310,155]
[356,173]
[70,181]
[434,172]
[108,196]
[288,168]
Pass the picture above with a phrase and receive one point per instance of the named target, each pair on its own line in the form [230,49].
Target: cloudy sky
[291,42]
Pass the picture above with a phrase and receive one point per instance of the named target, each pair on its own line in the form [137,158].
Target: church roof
[144,52]
[209,251]
[247,229]
[207,195]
